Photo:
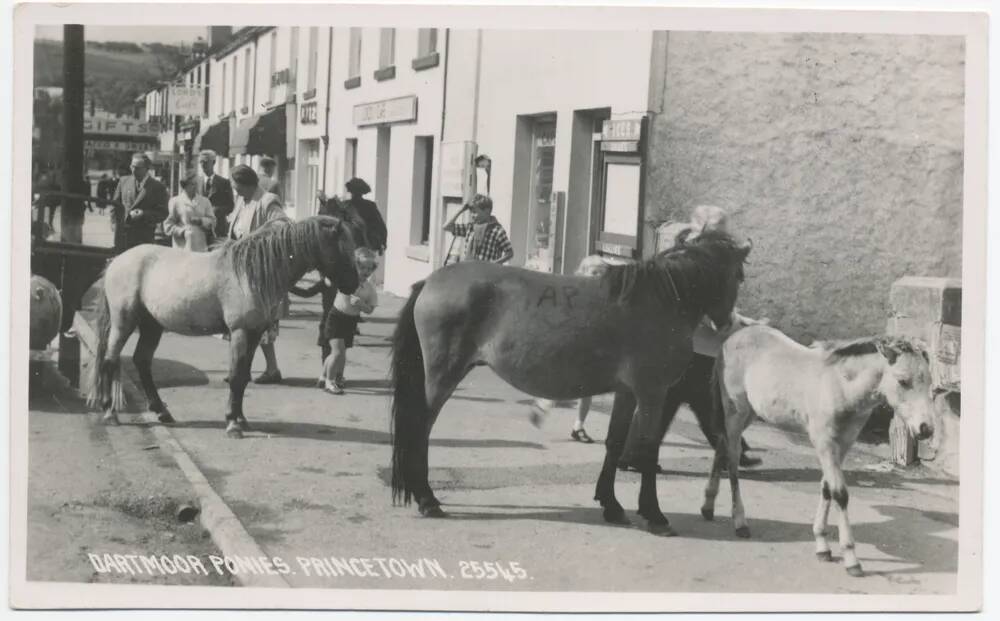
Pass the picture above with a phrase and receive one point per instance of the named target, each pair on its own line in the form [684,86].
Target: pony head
[728,256]
[337,253]
[906,384]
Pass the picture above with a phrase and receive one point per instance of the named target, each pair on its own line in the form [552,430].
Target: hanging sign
[186,101]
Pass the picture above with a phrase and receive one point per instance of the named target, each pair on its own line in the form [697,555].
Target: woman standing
[190,219]
[255,208]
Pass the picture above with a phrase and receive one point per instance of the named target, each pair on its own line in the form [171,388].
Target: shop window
[539,209]
[247,79]
[423,163]
[621,187]
[236,66]
[222,91]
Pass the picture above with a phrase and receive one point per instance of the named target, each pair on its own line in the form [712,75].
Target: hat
[267,160]
[244,175]
[357,185]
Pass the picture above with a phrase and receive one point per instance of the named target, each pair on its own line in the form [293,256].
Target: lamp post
[71,214]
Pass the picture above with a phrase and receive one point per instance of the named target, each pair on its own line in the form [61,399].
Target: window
[426,41]
[313,59]
[246,78]
[293,56]
[312,174]
[354,60]
[423,162]
[621,211]
[387,48]
[539,208]
[236,65]
[223,90]
[273,64]
[350,158]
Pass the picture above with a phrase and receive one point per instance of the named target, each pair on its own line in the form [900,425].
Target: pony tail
[409,401]
[101,393]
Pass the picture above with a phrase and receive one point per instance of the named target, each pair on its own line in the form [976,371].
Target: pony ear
[888,351]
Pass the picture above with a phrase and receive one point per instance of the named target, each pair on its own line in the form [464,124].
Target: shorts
[338,325]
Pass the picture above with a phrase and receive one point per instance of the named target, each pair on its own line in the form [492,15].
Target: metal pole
[71,214]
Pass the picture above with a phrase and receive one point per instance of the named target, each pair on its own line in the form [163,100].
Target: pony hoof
[616,516]
[166,418]
[661,530]
[743,532]
[434,511]
[708,514]
[826,556]
[110,419]
[855,571]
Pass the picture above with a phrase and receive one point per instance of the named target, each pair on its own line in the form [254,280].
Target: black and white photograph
[523,309]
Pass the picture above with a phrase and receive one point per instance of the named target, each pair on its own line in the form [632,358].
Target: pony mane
[837,350]
[262,259]
[691,273]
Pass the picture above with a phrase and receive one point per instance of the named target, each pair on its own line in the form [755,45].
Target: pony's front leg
[712,488]
[614,444]
[647,420]
[734,447]
[242,346]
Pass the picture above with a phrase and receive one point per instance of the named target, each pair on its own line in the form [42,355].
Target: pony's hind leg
[819,523]
[712,488]
[733,451]
[149,339]
[614,445]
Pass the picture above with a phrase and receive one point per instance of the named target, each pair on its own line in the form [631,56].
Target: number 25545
[489,570]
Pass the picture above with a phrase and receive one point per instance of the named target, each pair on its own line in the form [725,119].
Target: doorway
[382,156]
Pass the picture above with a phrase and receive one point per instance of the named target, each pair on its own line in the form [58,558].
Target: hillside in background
[115,73]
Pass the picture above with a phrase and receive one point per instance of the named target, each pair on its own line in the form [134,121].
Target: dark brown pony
[558,337]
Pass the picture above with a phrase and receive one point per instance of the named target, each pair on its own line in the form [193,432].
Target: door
[540,244]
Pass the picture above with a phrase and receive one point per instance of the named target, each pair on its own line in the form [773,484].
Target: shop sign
[117,145]
[120,126]
[186,101]
[622,129]
[387,111]
[308,113]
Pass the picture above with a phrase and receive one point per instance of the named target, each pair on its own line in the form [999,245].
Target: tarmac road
[310,484]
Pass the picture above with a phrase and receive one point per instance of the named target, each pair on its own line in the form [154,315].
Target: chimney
[219,36]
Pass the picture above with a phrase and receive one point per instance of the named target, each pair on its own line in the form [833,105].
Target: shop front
[619,187]
[262,134]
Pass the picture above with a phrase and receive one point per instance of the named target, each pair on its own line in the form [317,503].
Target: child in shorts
[342,321]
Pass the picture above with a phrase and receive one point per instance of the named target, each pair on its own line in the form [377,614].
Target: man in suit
[143,205]
[217,190]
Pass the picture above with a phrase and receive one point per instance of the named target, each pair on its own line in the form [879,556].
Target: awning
[262,134]
[215,138]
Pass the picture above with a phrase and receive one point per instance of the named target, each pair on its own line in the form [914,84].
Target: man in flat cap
[218,190]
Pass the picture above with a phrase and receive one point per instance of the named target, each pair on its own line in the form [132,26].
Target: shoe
[268,378]
[747,461]
[321,382]
[580,435]
[334,389]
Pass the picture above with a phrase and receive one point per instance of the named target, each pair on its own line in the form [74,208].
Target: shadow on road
[174,374]
[333,433]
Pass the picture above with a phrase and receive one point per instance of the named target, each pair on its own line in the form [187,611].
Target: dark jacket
[220,194]
[151,199]
[375,232]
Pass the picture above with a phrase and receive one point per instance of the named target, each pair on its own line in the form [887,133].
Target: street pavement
[310,485]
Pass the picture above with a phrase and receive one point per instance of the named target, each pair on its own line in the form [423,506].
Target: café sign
[186,101]
[308,113]
[395,110]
